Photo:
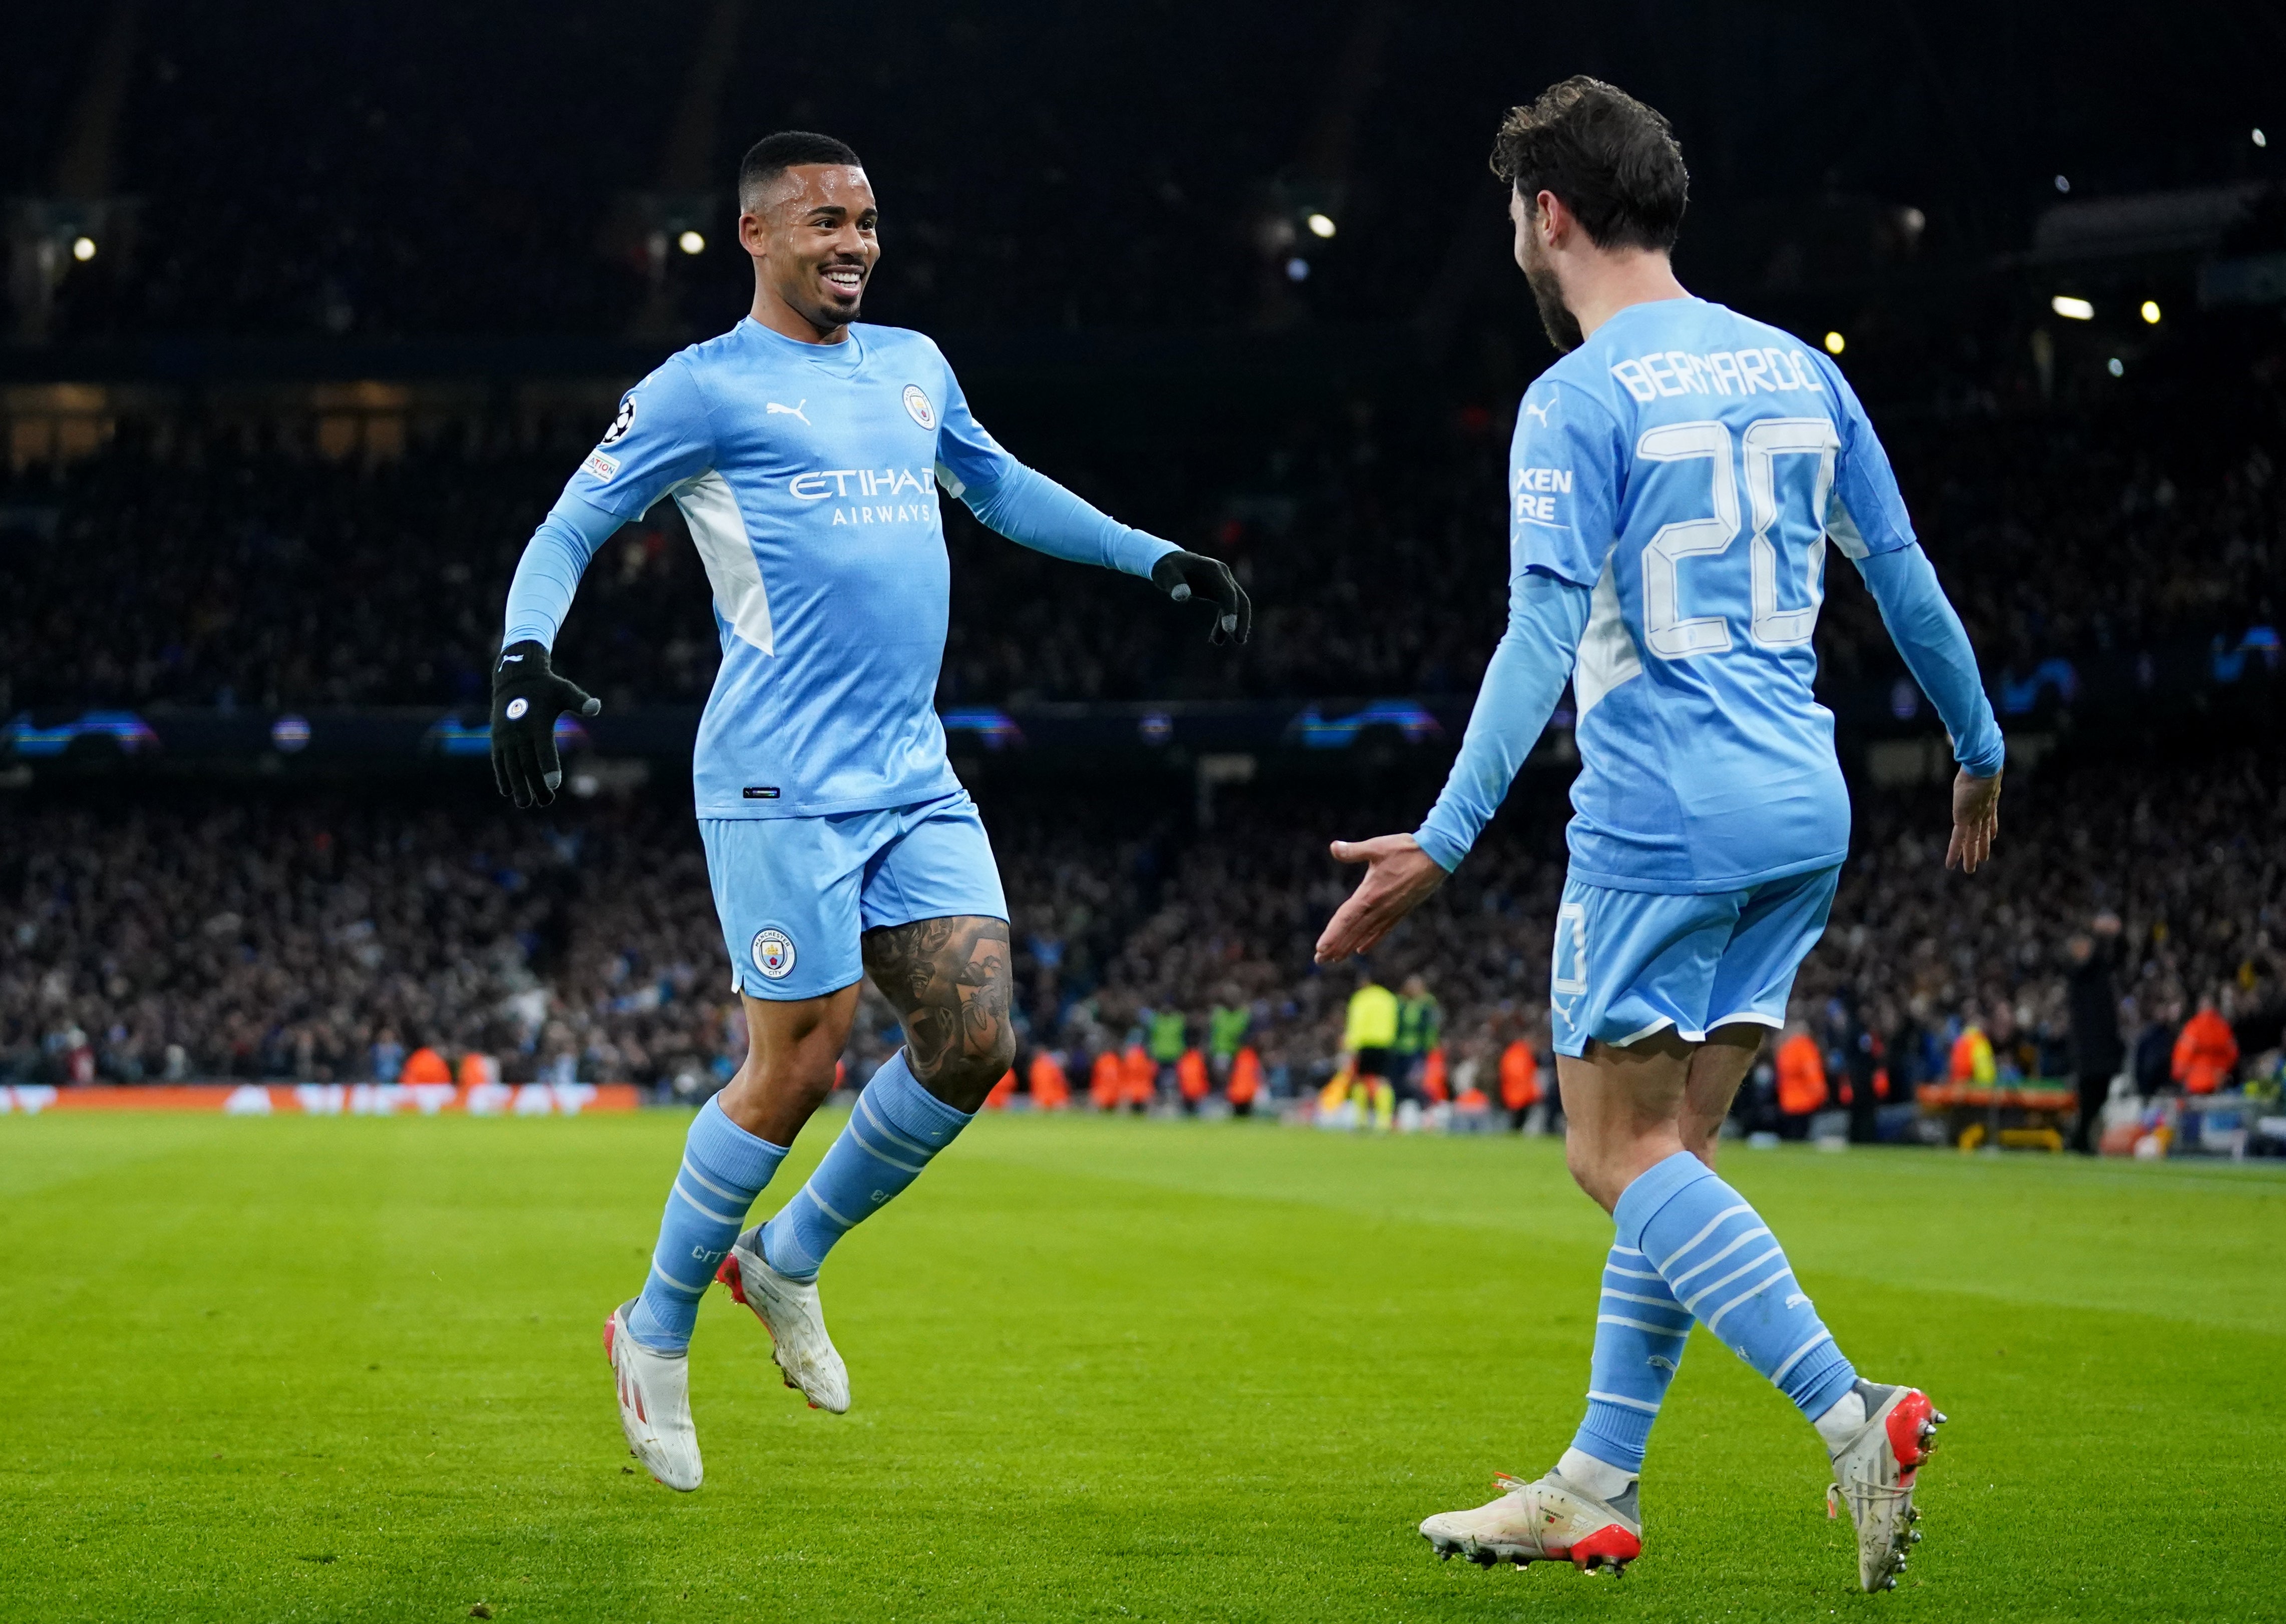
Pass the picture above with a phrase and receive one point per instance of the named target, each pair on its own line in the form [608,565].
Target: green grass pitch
[350,1369]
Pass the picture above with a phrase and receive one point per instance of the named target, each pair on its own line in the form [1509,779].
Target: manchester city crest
[772,953]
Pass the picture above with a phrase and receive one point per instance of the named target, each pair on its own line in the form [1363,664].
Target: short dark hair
[772,155]
[1613,162]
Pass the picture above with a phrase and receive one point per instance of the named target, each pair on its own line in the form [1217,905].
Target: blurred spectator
[2091,958]
[1519,1082]
[1420,1029]
[2206,1051]
[1801,1080]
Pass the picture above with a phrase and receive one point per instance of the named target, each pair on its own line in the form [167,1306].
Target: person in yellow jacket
[1367,1040]
[1971,1061]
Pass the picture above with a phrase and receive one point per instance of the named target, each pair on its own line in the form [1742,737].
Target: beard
[1556,318]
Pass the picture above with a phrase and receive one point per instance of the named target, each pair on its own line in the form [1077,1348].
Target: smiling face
[814,234]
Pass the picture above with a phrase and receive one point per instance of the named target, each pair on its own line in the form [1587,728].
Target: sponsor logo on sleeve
[772,953]
[601,466]
[621,424]
[918,407]
[1534,496]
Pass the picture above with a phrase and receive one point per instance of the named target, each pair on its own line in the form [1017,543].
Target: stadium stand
[287,936]
[279,577]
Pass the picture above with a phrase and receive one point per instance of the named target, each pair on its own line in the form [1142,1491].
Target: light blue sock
[893,1129]
[1640,1333]
[724,1167]
[1722,1261]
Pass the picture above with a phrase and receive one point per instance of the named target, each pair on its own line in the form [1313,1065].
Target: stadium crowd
[208,572]
[324,938]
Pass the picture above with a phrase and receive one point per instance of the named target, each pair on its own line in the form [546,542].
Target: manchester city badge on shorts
[772,953]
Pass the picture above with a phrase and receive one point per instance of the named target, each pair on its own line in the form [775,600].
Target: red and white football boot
[1874,1476]
[654,1391]
[789,1311]
[1551,1520]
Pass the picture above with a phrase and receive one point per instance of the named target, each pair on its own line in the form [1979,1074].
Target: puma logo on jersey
[1539,411]
[771,409]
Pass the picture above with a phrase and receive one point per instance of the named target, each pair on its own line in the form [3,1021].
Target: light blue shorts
[794,894]
[1629,964]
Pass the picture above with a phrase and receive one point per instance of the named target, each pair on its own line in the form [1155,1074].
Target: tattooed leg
[949,979]
[949,982]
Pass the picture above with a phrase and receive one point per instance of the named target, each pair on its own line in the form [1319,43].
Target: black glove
[1181,574]
[527,697]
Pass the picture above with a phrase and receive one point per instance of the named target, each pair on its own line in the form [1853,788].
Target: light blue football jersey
[1689,466]
[809,475]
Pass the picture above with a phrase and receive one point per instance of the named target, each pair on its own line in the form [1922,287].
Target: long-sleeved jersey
[809,475]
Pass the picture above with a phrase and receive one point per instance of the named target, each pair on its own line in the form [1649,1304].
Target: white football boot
[654,1391]
[1551,1520]
[789,1311]
[1874,1476]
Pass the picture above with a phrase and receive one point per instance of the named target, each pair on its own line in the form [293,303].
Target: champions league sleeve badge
[621,424]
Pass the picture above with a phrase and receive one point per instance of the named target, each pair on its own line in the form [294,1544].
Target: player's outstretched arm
[1031,509]
[1936,647]
[1546,618]
[527,694]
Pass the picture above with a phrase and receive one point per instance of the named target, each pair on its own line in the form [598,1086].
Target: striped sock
[893,1129]
[724,1167]
[1723,1264]
[1640,1333]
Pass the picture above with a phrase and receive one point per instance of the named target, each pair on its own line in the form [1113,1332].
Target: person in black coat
[2092,958]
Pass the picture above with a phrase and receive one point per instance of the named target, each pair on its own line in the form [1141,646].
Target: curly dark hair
[1613,162]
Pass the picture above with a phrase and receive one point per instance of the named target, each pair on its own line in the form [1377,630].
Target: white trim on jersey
[1842,527]
[718,529]
[1607,654]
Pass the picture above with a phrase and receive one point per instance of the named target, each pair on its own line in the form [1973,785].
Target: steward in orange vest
[1245,1079]
[1802,1075]
[1103,1082]
[1051,1089]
